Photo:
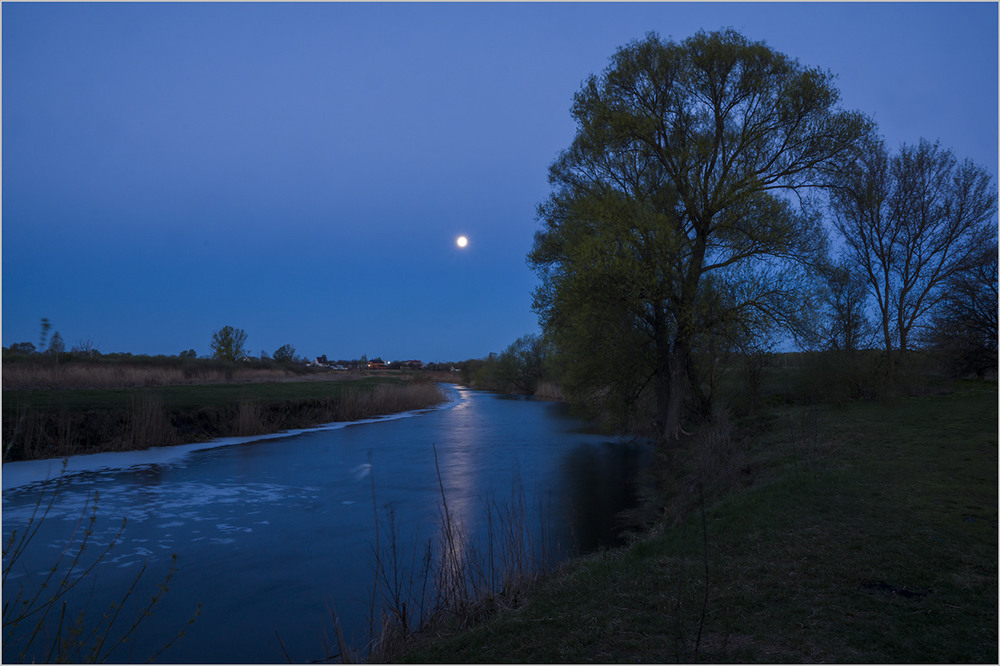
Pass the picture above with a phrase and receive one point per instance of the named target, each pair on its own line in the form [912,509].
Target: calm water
[271,533]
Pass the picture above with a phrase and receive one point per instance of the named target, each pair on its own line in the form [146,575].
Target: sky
[302,171]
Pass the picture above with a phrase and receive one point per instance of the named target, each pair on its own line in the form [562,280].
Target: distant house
[376,365]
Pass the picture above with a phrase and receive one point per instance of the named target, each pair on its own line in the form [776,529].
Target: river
[271,533]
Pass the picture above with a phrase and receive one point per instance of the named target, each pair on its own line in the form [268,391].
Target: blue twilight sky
[301,171]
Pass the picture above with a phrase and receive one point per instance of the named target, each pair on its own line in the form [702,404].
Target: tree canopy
[679,215]
[284,354]
[229,343]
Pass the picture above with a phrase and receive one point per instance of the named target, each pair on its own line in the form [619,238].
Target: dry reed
[147,424]
[249,419]
[386,399]
[472,579]
[23,376]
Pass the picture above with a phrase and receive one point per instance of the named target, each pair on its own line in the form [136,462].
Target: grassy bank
[61,422]
[863,533]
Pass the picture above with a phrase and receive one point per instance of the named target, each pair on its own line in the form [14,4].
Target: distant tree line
[518,369]
[228,344]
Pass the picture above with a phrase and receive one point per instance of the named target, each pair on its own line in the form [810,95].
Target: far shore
[54,424]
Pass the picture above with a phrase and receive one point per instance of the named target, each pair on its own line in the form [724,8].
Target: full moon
[461,241]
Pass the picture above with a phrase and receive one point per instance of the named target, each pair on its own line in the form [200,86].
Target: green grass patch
[868,533]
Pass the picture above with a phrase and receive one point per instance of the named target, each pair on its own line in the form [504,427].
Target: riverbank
[862,533]
[58,423]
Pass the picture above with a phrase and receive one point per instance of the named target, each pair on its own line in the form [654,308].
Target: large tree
[673,217]
[911,223]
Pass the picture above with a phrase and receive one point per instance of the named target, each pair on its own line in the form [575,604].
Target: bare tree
[844,324]
[964,325]
[85,348]
[911,223]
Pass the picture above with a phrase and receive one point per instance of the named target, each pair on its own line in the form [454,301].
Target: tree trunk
[663,385]
[673,411]
[903,343]
[887,335]
[678,365]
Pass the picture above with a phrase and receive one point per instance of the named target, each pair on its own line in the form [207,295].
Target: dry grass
[249,419]
[459,583]
[145,418]
[386,399]
[23,376]
[146,425]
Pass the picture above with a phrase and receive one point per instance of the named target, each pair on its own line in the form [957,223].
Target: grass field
[865,533]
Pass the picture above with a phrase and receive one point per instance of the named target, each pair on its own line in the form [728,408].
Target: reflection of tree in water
[600,484]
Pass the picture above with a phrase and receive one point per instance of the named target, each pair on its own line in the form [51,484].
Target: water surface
[273,532]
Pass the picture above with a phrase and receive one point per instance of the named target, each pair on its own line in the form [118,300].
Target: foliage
[22,348]
[190,353]
[522,364]
[517,369]
[669,229]
[229,343]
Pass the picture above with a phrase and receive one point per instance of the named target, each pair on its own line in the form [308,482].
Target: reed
[83,375]
[249,419]
[357,404]
[75,422]
[454,581]
[146,425]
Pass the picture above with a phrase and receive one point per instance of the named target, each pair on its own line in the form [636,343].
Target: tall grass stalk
[32,609]
[154,417]
[249,419]
[455,585]
[386,399]
[147,424]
